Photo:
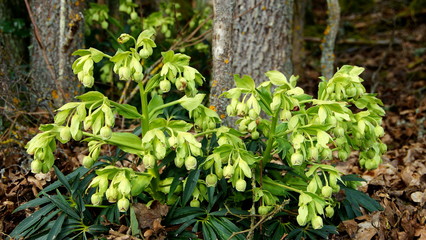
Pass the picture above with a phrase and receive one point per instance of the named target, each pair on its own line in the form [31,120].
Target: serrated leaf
[57,227]
[127,111]
[246,82]
[31,221]
[96,54]
[277,78]
[64,206]
[192,103]
[91,96]
[62,179]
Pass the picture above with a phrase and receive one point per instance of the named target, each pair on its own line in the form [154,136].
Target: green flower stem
[166,105]
[286,187]
[155,182]
[267,153]
[205,133]
[145,112]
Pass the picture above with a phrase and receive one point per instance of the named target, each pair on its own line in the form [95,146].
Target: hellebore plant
[269,161]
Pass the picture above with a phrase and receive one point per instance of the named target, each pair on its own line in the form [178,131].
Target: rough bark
[222,55]
[330,33]
[262,37]
[250,37]
[57,32]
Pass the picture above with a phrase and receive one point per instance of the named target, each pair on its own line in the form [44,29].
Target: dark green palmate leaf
[191,182]
[350,207]
[30,223]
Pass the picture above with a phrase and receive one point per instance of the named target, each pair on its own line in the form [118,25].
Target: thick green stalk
[145,128]
[145,112]
[267,153]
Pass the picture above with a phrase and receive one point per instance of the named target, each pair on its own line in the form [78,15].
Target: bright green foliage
[197,164]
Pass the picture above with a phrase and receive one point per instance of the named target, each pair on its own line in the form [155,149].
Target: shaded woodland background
[387,38]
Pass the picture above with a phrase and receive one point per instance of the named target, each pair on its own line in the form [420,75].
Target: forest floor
[390,44]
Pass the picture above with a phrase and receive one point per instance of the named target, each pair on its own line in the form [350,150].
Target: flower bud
[138,76]
[45,168]
[111,194]
[242,109]
[124,73]
[253,114]
[123,204]
[383,148]
[78,135]
[181,84]
[343,155]
[65,134]
[302,217]
[194,203]
[317,222]
[255,135]
[133,15]
[276,102]
[96,199]
[87,123]
[329,211]
[145,52]
[313,153]
[326,191]
[88,81]
[211,180]
[88,162]
[285,115]
[104,24]
[240,185]
[312,186]
[149,161]
[36,166]
[339,132]
[190,163]
[378,131]
[179,161]
[263,210]
[351,92]
[124,187]
[326,153]
[172,141]
[228,171]
[106,132]
[296,159]
[165,85]
[124,37]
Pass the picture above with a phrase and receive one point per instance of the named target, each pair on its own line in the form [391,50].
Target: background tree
[58,31]
[260,41]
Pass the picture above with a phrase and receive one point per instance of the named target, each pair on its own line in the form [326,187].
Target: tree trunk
[330,33]
[222,56]
[57,32]
[262,37]
[257,40]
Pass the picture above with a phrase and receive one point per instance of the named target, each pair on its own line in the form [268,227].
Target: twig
[263,219]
